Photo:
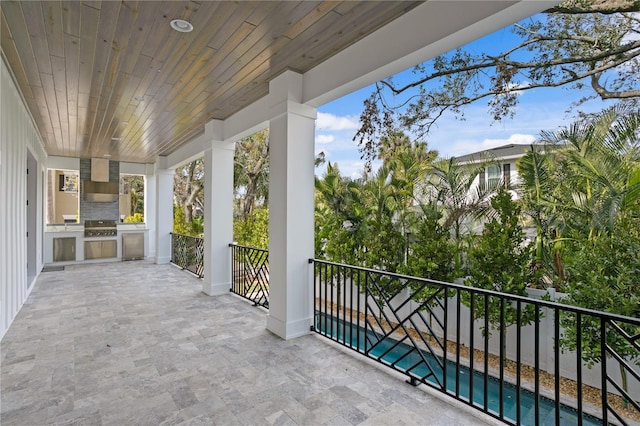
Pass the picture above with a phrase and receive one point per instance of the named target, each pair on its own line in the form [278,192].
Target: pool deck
[139,344]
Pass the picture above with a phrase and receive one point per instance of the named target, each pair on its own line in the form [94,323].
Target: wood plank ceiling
[113,78]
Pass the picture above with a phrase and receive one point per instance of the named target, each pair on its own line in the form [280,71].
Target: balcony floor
[137,343]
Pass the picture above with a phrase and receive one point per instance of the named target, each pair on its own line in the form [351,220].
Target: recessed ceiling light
[181,25]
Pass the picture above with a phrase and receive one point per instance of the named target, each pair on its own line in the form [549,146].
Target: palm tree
[536,190]
[450,184]
[598,170]
[585,181]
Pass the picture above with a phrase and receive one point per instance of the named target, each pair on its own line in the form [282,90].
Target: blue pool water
[407,358]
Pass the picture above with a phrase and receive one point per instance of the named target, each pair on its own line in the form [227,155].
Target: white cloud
[514,87]
[323,139]
[331,122]
[516,138]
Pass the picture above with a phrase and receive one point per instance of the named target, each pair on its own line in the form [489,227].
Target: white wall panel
[17,135]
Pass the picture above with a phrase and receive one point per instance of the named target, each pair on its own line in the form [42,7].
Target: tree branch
[606,7]
[501,59]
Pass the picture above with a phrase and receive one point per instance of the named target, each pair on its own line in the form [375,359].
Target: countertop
[77,227]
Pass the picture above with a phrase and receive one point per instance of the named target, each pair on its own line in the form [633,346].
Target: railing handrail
[249,247]
[515,297]
[185,235]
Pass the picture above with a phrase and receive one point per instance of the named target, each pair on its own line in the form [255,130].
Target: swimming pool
[409,359]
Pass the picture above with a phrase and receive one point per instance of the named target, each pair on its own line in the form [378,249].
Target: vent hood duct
[100,192]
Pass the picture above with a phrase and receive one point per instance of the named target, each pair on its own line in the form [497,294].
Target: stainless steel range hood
[100,192]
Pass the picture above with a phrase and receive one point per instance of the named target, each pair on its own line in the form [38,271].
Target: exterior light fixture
[181,25]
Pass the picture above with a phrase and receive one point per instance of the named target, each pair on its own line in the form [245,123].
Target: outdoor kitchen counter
[76,231]
[61,227]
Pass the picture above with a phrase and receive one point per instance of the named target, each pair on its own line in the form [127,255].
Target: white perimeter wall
[17,135]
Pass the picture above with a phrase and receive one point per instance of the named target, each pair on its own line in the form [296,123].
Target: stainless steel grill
[100,228]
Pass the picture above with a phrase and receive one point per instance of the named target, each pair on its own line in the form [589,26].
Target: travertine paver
[135,343]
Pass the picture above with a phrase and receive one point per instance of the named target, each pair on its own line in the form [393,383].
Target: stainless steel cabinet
[133,246]
[100,249]
[64,249]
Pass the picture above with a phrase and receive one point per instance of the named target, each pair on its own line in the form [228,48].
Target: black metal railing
[508,356]
[188,253]
[250,274]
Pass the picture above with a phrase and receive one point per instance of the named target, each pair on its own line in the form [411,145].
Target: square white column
[150,211]
[164,210]
[291,209]
[218,211]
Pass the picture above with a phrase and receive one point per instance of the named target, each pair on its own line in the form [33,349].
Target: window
[62,196]
[131,198]
[506,172]
[494,176]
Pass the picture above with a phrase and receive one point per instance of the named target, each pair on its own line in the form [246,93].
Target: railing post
[603,367]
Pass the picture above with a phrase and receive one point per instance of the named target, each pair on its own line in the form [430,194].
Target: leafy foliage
[500,261]
[587,179]
[253,231]
[589,45]
[430,253]
[251,173]
[603,274]
[188,186]
[450,185]
[134,186]
[180,226]
[134,218]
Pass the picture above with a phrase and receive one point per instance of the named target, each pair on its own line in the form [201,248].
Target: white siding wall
[17,135]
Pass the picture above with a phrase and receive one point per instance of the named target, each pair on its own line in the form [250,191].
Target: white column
[164,210]
[291,208]
[150,208]
[218,211]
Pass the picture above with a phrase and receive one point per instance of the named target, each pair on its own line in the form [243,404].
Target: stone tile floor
[135,343]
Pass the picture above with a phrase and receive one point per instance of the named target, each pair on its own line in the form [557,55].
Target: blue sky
[540,109]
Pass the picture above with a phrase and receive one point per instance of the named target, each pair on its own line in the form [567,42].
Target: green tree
[598,170]
[450,186]
[195,227]
[500,261]
[188,185]
[134,186]
[587,178]
[384,240]
[537,191]
[604,274]
[339,217]
[251,173]
[580,44]
[430,253]
[253,231]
